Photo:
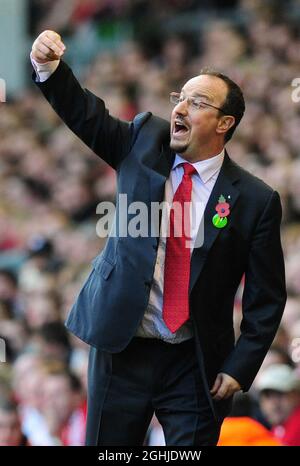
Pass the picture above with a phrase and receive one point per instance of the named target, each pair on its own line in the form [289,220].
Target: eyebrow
[197,94]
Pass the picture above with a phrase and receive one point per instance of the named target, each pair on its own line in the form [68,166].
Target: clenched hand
[48,47]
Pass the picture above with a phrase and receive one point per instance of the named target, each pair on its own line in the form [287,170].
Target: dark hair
[243,405]
[54,333]
[234,104]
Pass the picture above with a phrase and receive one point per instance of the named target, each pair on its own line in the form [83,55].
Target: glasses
[194,102]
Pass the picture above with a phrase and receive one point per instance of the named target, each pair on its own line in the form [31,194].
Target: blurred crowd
[51,184]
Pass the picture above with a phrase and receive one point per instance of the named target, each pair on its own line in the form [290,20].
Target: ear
[225,123]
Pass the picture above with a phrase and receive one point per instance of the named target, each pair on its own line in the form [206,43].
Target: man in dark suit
[157,309]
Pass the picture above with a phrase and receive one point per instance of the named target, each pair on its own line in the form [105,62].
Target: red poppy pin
[223,210]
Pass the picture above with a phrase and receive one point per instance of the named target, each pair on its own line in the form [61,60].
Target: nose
[182,107]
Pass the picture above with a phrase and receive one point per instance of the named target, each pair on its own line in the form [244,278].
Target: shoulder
[257,197]
[250,185]
[249,180]
[148,123]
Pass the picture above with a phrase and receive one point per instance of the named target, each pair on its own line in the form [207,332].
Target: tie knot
[189,170]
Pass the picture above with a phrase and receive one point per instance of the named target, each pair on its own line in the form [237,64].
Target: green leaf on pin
[219,222]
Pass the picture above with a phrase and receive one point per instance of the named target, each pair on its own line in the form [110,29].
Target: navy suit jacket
[113,300]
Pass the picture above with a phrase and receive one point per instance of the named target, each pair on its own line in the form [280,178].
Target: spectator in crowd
[240,429]
[41,308]
[28,374]
[64,408]
[279,395]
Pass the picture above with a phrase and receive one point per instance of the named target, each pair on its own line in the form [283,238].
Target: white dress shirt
[44,70]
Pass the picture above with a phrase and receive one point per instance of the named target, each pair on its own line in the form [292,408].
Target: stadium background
[132,53]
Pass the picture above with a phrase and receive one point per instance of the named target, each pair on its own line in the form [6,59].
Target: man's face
[277,406]
[199,126]
[57,398]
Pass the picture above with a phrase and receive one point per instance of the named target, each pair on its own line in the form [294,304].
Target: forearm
[84,113]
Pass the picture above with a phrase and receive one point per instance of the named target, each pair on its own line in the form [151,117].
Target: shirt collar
[205,168]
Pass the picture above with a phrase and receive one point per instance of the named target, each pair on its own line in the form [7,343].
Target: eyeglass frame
[191,101]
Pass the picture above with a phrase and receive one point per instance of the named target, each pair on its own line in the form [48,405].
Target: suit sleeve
[86,115]
[264,297]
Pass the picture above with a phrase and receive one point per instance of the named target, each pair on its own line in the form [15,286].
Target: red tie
[178,256]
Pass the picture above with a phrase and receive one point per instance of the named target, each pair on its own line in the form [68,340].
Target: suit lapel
[160,172]
[224,185]
[164,163]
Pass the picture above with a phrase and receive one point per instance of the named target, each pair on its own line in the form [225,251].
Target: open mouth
[180,128]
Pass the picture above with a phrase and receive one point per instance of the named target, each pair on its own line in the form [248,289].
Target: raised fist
[48,47]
